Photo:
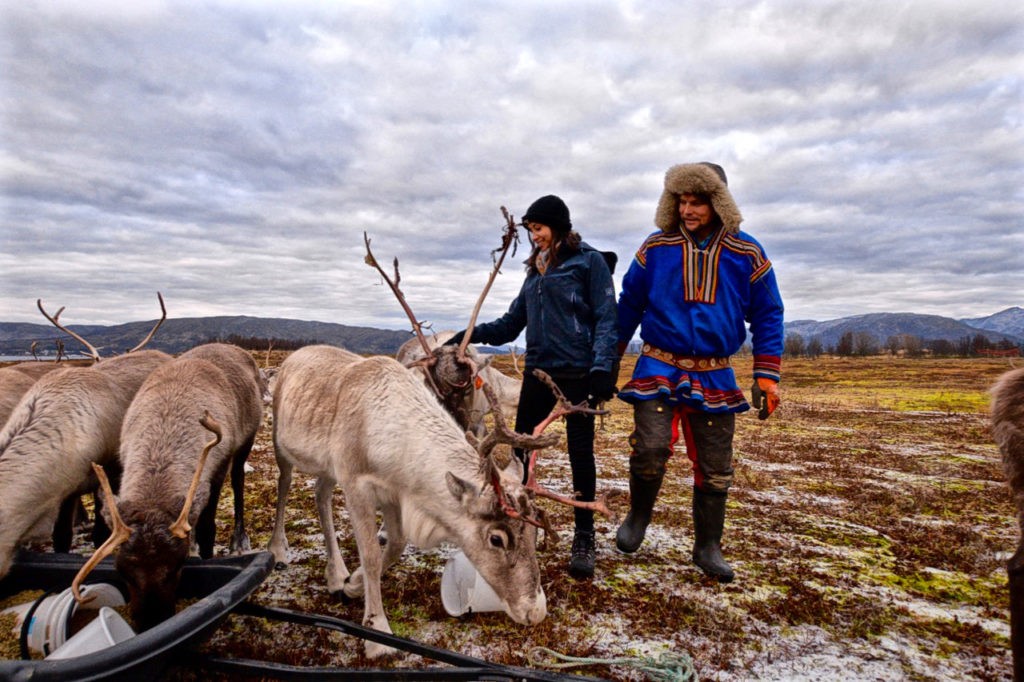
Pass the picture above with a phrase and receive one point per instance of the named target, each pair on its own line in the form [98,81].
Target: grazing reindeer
[161,442]
[454,373]
[1008,431]
[64,422]
[475,405]
[373,427]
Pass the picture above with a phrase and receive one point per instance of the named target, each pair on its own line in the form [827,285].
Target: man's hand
[765,396]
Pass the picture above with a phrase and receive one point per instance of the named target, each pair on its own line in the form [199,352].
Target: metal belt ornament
[687,362]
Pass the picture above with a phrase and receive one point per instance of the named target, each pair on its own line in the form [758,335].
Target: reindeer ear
[459,488]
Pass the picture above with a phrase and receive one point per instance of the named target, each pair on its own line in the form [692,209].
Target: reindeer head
[150,563]
[503,547]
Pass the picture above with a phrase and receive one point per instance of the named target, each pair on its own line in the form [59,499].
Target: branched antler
[417,326]
[562,408]
[520,509]
[509,239]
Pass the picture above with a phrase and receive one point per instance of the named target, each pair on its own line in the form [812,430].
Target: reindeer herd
[154,437]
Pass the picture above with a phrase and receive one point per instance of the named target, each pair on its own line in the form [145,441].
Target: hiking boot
[581,562]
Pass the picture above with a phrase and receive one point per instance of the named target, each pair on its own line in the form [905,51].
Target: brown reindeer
[64,422]
[161,444]
[1008,432]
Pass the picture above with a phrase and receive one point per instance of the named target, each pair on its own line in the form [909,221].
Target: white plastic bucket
[464,590]
[48,624]
[107,629]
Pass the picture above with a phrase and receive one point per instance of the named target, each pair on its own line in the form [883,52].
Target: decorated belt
[684,361]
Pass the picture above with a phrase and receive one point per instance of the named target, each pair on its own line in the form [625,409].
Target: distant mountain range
[178,335]
[1007,324]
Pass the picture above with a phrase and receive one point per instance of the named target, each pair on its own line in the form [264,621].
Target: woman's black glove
[602,386]
[455,340]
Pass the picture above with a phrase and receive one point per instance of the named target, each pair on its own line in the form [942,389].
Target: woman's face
[540,235]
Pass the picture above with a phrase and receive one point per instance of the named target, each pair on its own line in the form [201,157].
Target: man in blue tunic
[692,288]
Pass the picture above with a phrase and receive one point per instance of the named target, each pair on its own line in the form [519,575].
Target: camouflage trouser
[708,438]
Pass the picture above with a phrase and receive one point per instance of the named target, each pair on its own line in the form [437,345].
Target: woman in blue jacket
[567,307]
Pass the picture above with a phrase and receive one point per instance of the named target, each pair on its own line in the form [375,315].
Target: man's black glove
[455,340]
[602,386]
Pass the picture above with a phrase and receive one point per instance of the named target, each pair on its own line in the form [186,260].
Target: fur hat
[551,211]
[697,178]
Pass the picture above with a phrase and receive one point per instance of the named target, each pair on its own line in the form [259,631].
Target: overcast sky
[231,154]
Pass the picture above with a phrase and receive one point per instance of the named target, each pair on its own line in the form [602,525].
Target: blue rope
[666,667]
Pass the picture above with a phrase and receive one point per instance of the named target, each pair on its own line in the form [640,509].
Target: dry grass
[868,526]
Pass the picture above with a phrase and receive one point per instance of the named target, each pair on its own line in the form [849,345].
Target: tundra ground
[869,524]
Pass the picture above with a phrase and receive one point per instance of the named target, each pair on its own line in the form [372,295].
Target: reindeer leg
[396,537]
[362,511]
[1015,572]
[64,526]
[336,571]
[278,540]
[206,526]
[239,538]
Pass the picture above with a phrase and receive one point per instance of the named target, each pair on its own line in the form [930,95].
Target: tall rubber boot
[646,472]
[708,523]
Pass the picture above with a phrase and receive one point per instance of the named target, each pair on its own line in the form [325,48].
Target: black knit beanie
[551,211]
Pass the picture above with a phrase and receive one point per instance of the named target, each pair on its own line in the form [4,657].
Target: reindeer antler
[163,316]
[53,320]
[502,434]
[417,326]
[181,527]
[118,535]
[509,239]
[562,408]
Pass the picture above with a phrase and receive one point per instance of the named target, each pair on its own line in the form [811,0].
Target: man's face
[695,212]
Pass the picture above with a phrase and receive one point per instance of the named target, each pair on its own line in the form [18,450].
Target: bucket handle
[26,623]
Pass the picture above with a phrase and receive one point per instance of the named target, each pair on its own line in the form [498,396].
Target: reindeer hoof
[342,597]
[280,566]
[375,650]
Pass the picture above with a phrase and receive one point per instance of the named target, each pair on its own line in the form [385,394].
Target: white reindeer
[161,441]
[373,427]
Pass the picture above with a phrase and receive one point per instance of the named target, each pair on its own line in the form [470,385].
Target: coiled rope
[666,667]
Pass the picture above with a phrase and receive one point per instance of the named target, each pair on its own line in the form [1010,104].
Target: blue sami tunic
[695,300]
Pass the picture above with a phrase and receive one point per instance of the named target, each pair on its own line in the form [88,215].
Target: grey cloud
[231,155]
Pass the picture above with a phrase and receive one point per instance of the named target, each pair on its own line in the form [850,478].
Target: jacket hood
[696,178]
